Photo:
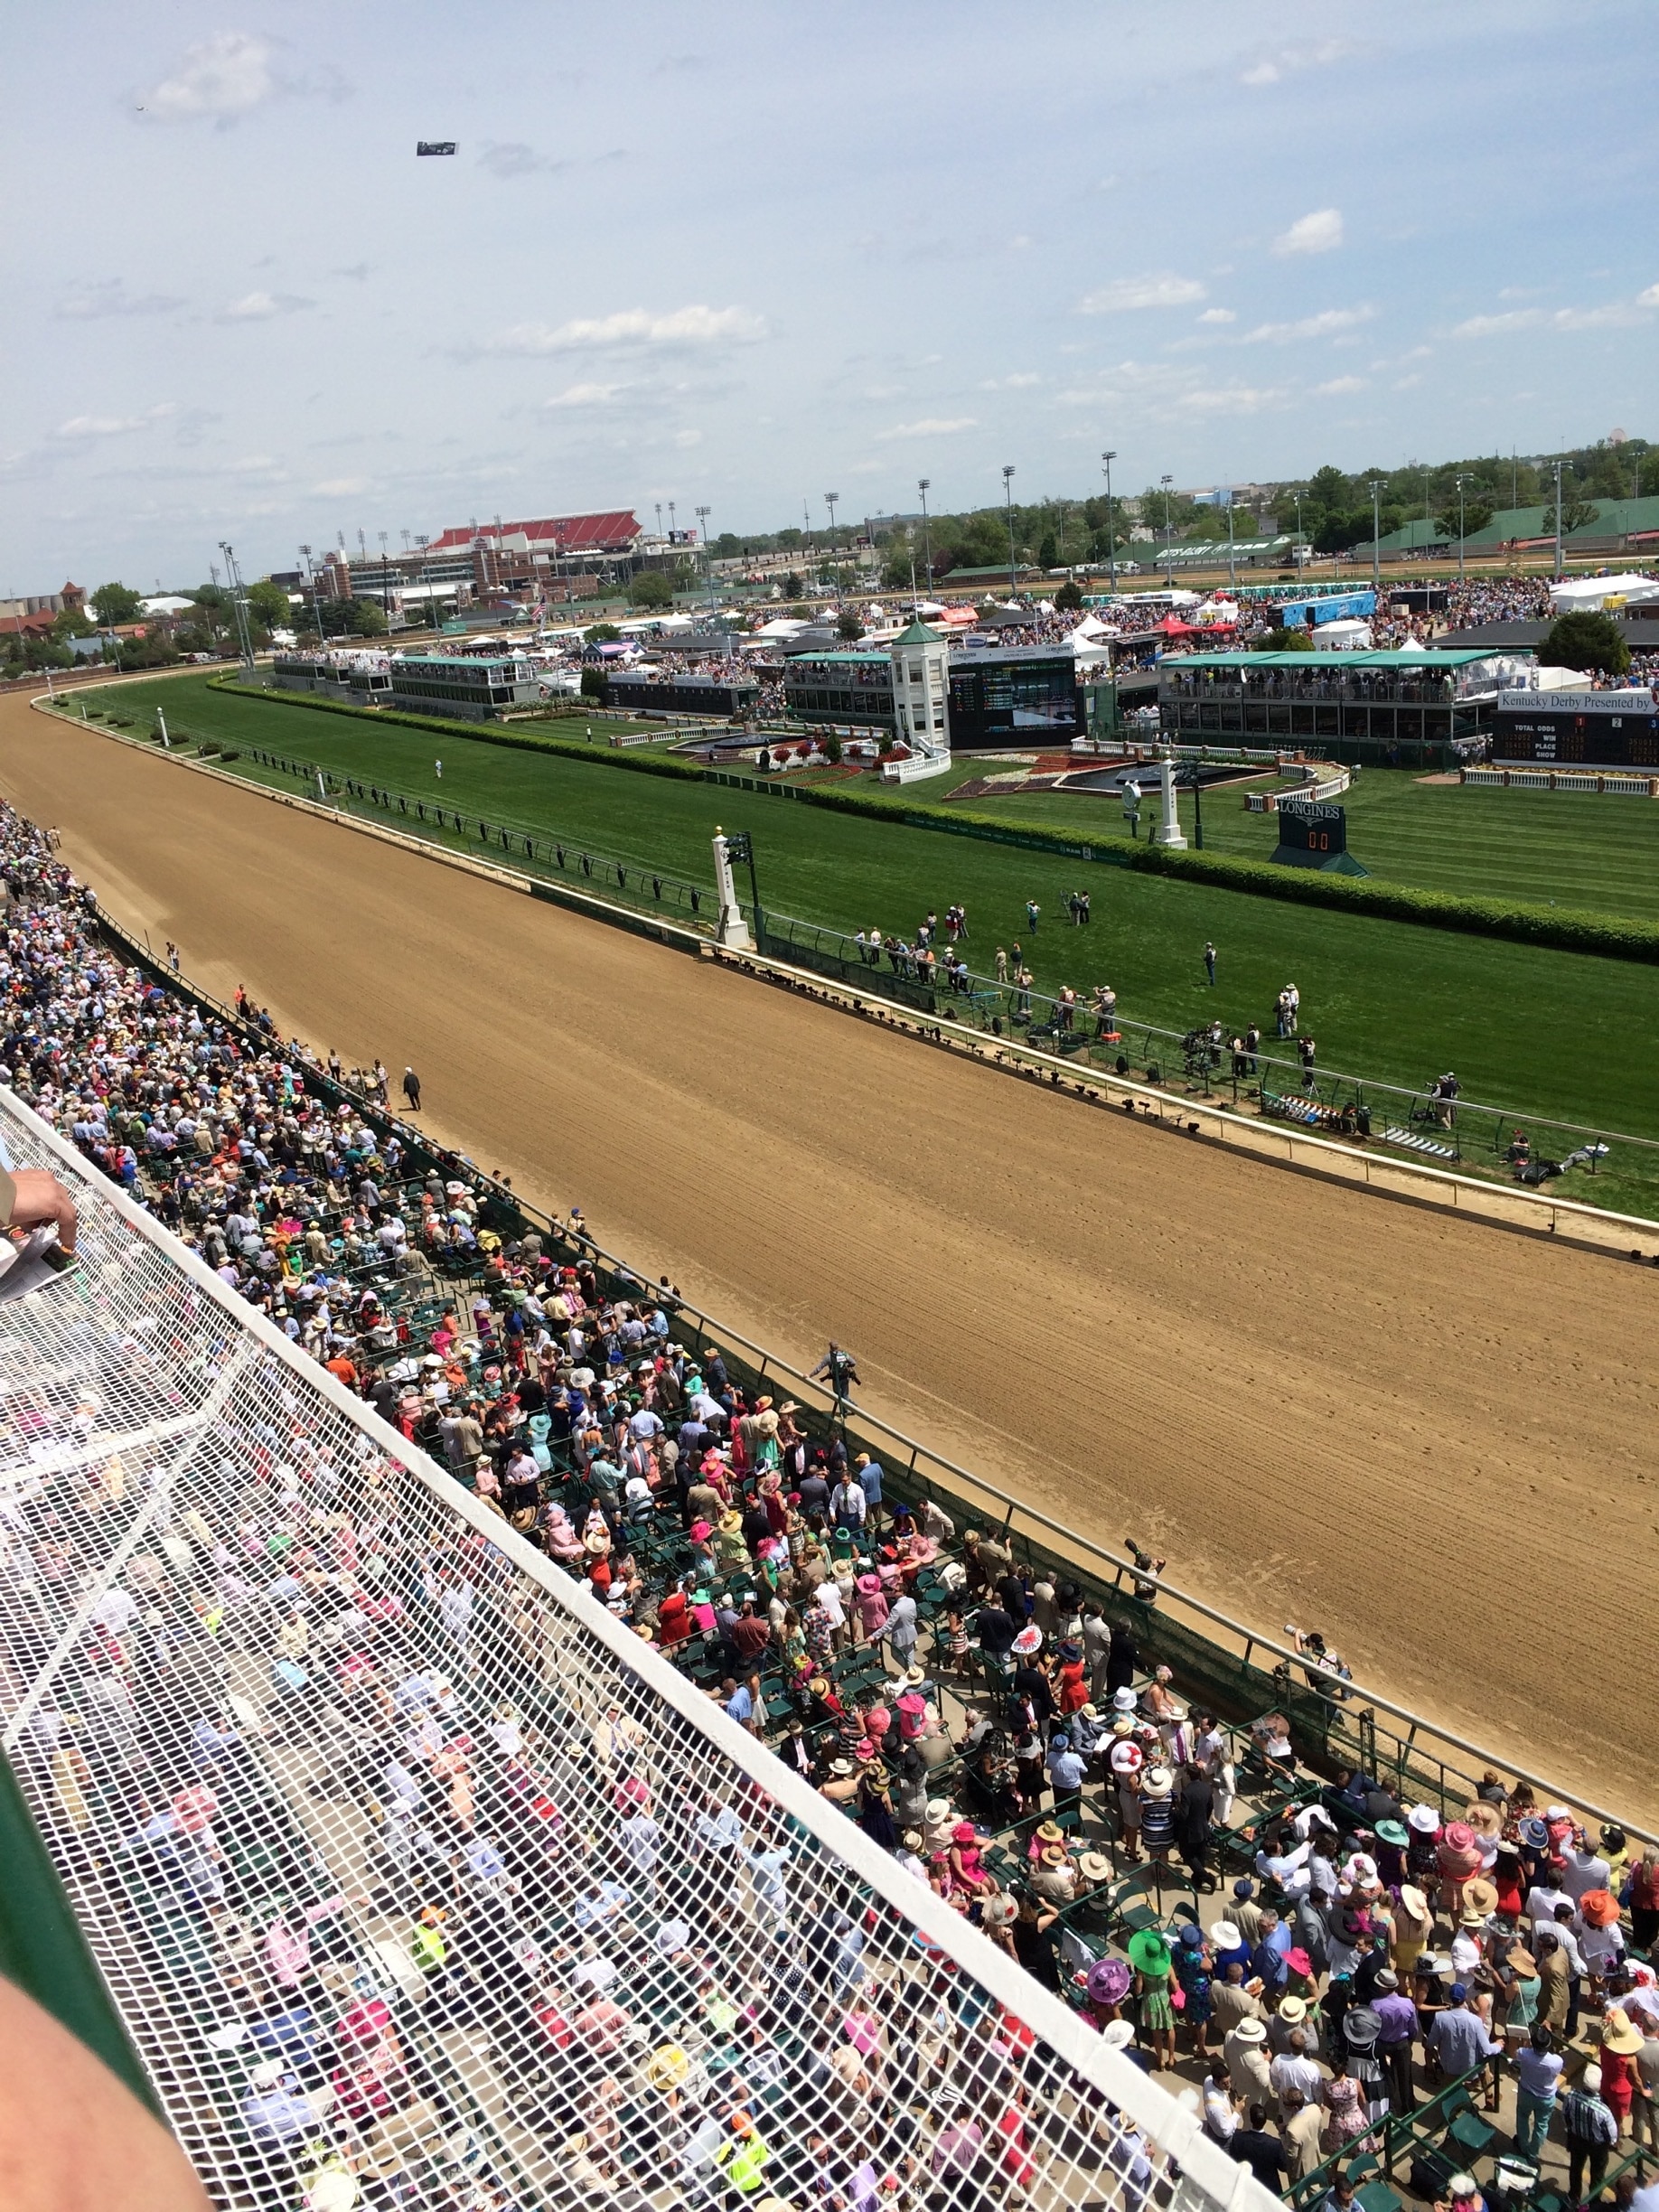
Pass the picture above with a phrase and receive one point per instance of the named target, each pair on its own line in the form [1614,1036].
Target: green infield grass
[1546,1032]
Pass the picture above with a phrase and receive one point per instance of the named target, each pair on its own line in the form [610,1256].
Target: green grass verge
[1532,922]
[1549,1031]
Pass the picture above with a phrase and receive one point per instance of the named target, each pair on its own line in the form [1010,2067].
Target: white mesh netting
[417,1880]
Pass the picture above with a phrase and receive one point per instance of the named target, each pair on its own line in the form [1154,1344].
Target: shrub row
[1565,929]
[486,733]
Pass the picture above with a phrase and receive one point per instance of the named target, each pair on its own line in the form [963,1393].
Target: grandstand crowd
[1320,1953]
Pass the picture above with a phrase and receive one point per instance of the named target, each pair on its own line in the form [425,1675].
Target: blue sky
[740,255]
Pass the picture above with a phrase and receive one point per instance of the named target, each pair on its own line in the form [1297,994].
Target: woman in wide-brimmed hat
[1515,1988]
[1108,1985]
[1149,1954]
[1621,2041]
[1194,1968]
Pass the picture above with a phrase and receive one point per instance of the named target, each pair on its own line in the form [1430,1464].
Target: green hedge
[486,733]
[1565,928]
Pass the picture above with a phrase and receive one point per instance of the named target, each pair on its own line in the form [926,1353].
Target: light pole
[423,540]
[316,604]
[1558,521]
[1377,533]
[1460,480]
[1008,495]
[1301,543]
[239,604]
[1233,573]
[835,569]
[385,583]
[1168,542]
[702,516]
[1111,536]
[927,543]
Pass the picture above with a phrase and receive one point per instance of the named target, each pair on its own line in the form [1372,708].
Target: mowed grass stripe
[1547,1032]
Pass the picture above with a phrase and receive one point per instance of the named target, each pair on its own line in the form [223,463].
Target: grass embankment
[1551,1031]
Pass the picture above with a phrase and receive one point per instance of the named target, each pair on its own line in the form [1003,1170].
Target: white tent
[1347,636]
[1580,594]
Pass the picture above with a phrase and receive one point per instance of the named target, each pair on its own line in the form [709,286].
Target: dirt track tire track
[1429,1438]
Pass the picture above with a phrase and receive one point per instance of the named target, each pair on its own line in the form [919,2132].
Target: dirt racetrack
[1430,1438]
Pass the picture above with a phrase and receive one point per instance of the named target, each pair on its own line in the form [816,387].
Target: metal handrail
[778,924]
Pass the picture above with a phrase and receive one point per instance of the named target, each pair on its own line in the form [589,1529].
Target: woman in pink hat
[1457,1857]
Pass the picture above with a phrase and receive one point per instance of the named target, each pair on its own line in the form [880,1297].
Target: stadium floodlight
[1008,497]
[702,516]
[399,1853]
[1376,489]
[1460,480]
[1107,459]
[1169,545]
[923,482]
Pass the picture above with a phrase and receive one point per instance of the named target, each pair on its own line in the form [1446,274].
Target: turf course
[1545,1031]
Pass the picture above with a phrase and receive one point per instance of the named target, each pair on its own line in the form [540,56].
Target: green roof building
[1407,708]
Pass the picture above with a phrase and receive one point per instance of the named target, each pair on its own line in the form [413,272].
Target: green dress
[1157,2012]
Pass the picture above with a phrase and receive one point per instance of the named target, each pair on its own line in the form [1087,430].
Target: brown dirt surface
[1431,1440]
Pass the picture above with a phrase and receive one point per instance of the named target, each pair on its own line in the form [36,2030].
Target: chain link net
[415,1879]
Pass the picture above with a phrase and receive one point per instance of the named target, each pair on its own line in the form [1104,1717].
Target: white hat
[1424,1819]
[1125,1700]
[1157,1782]
[1226,1937]
[1126,1759]
[1250,2032]
[266,2074]
[1590,2079]
[1117,2034]
[1028,1640]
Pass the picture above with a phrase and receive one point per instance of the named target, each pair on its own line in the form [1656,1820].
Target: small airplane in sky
[435,145]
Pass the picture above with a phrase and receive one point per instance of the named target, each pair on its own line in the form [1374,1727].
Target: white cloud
[1320,232]
[512,158]
[262,306]
[686,439]
[1231,400]
[1126,293]
[1218,316]
[92,303]
[930,425]
[1619,314]
[98,426]
[1271,68]
[114,426]
[632,327]
[339,487]
[1338,386]
[1325,324]
[584,396]
[1021,382]
[223,77]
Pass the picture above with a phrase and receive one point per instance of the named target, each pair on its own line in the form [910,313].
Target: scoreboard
[1309,834]
[1590,729]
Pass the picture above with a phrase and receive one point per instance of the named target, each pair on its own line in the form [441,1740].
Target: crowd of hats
[1373,1897]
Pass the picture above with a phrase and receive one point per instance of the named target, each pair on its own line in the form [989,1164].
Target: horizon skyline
[651,293]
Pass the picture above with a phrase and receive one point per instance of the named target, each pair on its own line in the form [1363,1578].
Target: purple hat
[1108,1982]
